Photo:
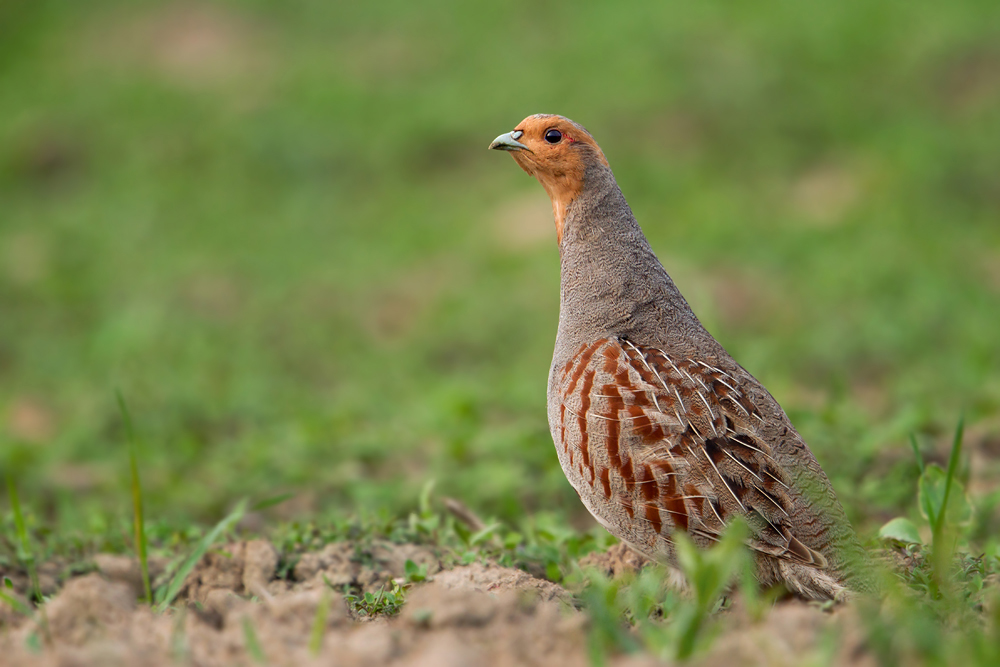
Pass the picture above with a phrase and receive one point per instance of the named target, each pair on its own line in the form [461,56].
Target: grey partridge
[656,427]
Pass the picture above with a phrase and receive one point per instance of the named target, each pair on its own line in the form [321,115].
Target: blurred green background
[277,229]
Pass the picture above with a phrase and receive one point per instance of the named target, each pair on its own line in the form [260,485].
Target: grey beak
[509,142]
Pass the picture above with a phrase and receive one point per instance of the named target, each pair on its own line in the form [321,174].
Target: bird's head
[557,152]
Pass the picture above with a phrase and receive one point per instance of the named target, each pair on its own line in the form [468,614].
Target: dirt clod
[616,561]
[86,607]
[126,570]
[368,567]
[259,566]
[495,580]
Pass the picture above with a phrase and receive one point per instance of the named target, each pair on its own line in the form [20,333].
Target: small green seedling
[608,631]
[709,572]
[943,503]
[382,603]
[414,573]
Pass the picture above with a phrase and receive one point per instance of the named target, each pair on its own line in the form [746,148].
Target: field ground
[276,230]
[469,615]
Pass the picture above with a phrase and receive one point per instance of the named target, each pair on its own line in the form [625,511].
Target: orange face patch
[558,152]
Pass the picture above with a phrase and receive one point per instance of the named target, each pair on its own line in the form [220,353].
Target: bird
[656,426]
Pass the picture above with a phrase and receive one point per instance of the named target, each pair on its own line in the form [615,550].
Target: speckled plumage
[656,427]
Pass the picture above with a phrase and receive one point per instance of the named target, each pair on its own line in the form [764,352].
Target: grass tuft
[640,612]
[27,554]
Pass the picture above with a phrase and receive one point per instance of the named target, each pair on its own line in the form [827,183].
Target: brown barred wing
[659,444]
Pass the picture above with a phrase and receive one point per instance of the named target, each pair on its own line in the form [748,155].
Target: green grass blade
[956,451]
[204,544]
[251,643]
[139,523]
[940,551]
[271,502]
[916,453]
[15,604]
[319,623]
[179,650]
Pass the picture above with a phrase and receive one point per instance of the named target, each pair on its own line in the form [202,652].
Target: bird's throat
[562,189]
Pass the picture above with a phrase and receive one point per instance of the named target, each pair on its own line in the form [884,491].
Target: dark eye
[553,136]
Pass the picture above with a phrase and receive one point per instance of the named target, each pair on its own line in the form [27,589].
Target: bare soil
[235,610]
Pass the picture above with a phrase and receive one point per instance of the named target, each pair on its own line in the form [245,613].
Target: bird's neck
[612,284]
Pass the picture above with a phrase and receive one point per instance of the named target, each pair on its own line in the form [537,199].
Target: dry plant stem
[460,511]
